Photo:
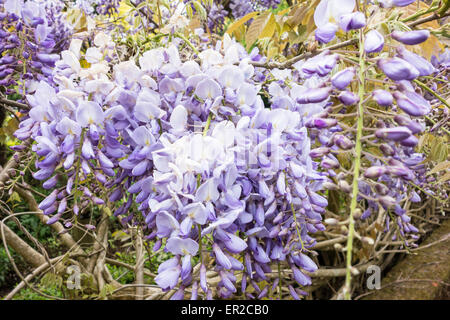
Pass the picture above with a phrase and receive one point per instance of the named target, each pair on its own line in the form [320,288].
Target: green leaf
[106,290]
[14,197]
[52,280]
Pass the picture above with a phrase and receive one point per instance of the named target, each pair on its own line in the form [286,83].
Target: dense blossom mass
[32,34]
[219,160]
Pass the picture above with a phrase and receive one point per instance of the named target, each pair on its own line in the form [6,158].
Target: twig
[139,267]
[14,104]
[28,278]
[127,266]
[290,62]
[434,16]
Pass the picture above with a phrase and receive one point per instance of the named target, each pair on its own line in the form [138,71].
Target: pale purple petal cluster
[32,34]
[193,147]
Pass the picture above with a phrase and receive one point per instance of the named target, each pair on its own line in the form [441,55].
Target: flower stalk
[356,169]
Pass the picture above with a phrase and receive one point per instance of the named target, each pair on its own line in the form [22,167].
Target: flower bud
[402,120]
[414,197]
[411,37]
[348,98]
[343,142]
[328,163]
[47,58]
[50,183]
[357,214]
[424,67]
[51,209]
[395,134]
[374,42]
[396,3]
[400,171]
[412,141]
[412,103]
[398,69]
[319,152]
[7,59]
[414,126]
[387,201]
[368,240]
[343,78]
[314,95]
[387,149]
[329,186]
[381,189]
[352,21]
[326,33]
[68,224]
[374,172]
[53,219]
[366,214]
[382,97]
[62,206]
[344,186]
[331,221]
[321,123]
[49,200]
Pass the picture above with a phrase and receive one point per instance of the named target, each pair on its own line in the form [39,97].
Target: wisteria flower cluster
[241,8]
[101,7]
[32,34]
[206,161]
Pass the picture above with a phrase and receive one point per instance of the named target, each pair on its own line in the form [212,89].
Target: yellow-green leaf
[268,31]
[296,15]
[439,151]
[189,12]
[201,11]
[14,197]
[235,25]
[262,27]
[440,166]
[444,178]
[308,19]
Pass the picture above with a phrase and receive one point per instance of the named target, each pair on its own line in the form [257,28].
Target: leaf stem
[296,226]
[179,35]
[425,87]
[208,123]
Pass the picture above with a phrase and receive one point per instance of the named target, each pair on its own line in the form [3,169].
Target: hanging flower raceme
[32,34]
[194,147]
